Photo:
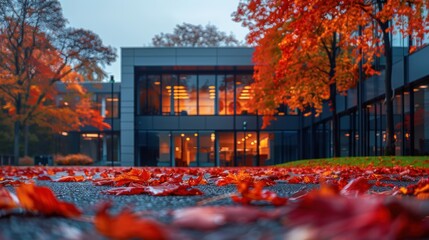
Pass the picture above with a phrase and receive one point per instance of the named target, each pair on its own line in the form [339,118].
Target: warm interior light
[90,135]
[182,134]
[65,133]
[110,100]
[243,97]
[157,83]
[423,86]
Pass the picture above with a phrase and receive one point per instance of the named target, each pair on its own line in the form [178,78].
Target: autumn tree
[360,29]
[38,50]
[189,35]
[298,61]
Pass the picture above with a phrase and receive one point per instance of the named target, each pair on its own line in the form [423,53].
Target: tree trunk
[26,132]
[17,132]
[335,127]
[333,96]
[390,131]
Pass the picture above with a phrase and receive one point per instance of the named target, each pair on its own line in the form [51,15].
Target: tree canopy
[38,50]
[189,35]
[302,47]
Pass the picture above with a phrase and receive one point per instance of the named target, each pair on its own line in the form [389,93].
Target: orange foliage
[302,47]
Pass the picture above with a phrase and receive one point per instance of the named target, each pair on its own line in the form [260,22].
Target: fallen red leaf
[126,191]
[209,218]
[71,179]
[6,200]
[126,225]
[171,189]
[420,190]
[255,192]
[42,200]
[332,216]
[356,187]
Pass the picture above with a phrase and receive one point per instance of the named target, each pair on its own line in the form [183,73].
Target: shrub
[73,159]
[26,161]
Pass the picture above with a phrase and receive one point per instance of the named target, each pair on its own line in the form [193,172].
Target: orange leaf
[42,200]
[6,200]
[126,225]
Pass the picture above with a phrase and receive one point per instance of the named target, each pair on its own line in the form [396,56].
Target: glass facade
[211,148]
[216,92]
[411,126]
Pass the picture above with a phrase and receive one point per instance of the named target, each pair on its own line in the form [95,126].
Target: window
[207,94]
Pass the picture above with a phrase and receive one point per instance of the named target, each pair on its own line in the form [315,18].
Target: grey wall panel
[127,125]
[250,120]
[127,61]
[127,69]
[192,122]
[196,61]
[286,123]
[127,159]
[234,61]
[127,112]
[144,123]
[128,141]
[154,51]
[165,123]
[155,61]
[235,52]
[220,122]
[127,52]
[127,104]
[419,64]
[127,81]
[196,51]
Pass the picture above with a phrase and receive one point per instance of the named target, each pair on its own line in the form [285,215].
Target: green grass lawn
[388,161]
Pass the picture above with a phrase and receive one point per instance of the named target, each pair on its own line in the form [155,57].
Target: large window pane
[246,148]
[225,94]
[167,84]
[421,120]
[226,149]
[206,153]
[407,124]
[185,149]
[207,94]
[149,95]
[397,121]
[243,94]
[154,149]
[185,95]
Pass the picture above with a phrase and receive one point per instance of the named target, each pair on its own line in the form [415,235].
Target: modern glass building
[189,107]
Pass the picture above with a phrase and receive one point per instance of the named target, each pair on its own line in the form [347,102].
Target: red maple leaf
[255,192]
[126,225]
[71,179]
[209,218]
[42,200]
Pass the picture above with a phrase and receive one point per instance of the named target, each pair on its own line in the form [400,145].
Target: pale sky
[133,23]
